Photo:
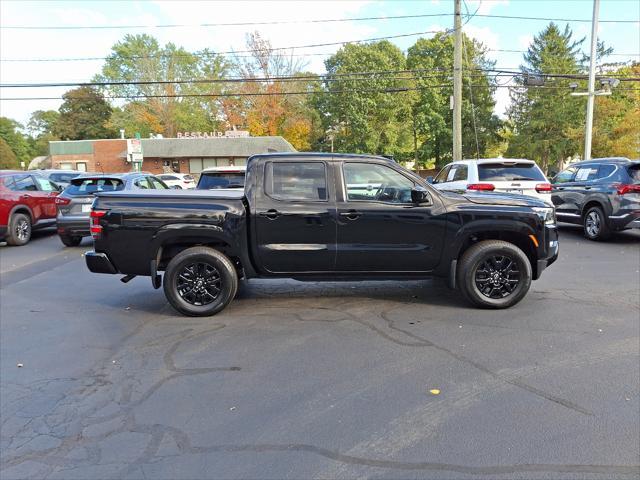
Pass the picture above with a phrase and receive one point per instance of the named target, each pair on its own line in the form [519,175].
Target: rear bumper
[73,226]
[625,220]
[99,263]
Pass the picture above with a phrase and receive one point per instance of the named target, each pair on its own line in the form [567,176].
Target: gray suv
[602,194]
[74,203]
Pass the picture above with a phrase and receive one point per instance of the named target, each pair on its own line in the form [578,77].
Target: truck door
[380,229]
[294,217]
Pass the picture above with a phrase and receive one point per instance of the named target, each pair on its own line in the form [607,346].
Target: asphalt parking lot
[322,380]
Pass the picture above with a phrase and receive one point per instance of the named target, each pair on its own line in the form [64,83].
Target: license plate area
[86,207]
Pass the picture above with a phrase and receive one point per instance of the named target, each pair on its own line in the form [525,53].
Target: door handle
[587,188]
[350,214]
[560,188]
[271,214]
[26,195]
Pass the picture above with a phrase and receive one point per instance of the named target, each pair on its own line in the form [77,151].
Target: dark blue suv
[602,194]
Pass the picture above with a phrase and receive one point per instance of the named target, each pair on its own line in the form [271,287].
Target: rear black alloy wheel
[497,276]
[494,274]
[200,281]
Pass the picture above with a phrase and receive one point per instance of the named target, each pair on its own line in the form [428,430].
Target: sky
[495,33]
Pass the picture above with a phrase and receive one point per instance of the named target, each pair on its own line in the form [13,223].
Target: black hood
[490,198]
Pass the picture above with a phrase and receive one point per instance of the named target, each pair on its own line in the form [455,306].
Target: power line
[293,22]
[328,77]
[308,92]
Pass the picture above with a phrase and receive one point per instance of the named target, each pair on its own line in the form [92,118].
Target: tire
[487,281]
[70,241]
[19,232]
[595,225]
[190,269]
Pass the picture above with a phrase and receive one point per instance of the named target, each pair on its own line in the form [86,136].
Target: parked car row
[602,195]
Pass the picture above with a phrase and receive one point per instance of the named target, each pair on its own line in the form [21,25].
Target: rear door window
[88,186]
[587,174]
[296,181]
[504,172]
[460,173]
[634,173]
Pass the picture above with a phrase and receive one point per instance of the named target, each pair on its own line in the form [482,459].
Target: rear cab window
[88,186]
[506,172]
[296,181]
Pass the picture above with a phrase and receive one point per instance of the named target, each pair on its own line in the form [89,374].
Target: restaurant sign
[227,134]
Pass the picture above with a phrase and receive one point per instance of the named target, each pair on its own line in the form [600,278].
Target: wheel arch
[518,235]
[21,208]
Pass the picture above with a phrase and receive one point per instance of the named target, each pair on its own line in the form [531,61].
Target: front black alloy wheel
[200,281]
[494,274]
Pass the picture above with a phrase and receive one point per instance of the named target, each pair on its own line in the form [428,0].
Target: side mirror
[429,179]
[420,195]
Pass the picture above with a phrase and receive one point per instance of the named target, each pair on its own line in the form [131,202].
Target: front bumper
[3,231]
[99,263]
[551,250]
[73,226]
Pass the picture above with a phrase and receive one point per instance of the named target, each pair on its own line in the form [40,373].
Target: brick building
[183,155]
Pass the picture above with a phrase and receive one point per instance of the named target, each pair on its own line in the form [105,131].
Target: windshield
[221,180]
[507,173]
[87,186]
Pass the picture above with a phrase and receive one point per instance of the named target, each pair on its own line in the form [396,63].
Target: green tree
[10,132]
[158,107]
[367,114]
[41,126]
[544,117]
[83,115]
[432,116]
[8,159]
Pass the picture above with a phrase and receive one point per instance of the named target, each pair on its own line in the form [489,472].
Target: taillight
[61,201]
[482,187]
[543,187]
[95,227]
[629,188]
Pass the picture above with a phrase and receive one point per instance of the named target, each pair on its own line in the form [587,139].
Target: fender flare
[177,231]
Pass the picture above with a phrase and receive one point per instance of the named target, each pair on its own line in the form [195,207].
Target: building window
[195,165]
[66,165]
[81,166]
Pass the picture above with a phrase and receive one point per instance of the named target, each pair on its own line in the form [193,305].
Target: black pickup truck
[313,216]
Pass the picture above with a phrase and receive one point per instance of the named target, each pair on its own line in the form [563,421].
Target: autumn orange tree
[616,126]
[266,106]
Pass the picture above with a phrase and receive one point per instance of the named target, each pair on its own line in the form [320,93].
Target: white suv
[506,175]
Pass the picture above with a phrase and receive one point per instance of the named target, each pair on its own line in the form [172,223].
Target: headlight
[546,214]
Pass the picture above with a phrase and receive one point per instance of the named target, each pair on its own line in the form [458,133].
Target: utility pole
[592,81]
[457,84]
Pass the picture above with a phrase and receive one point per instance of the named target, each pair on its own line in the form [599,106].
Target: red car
[27,202]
